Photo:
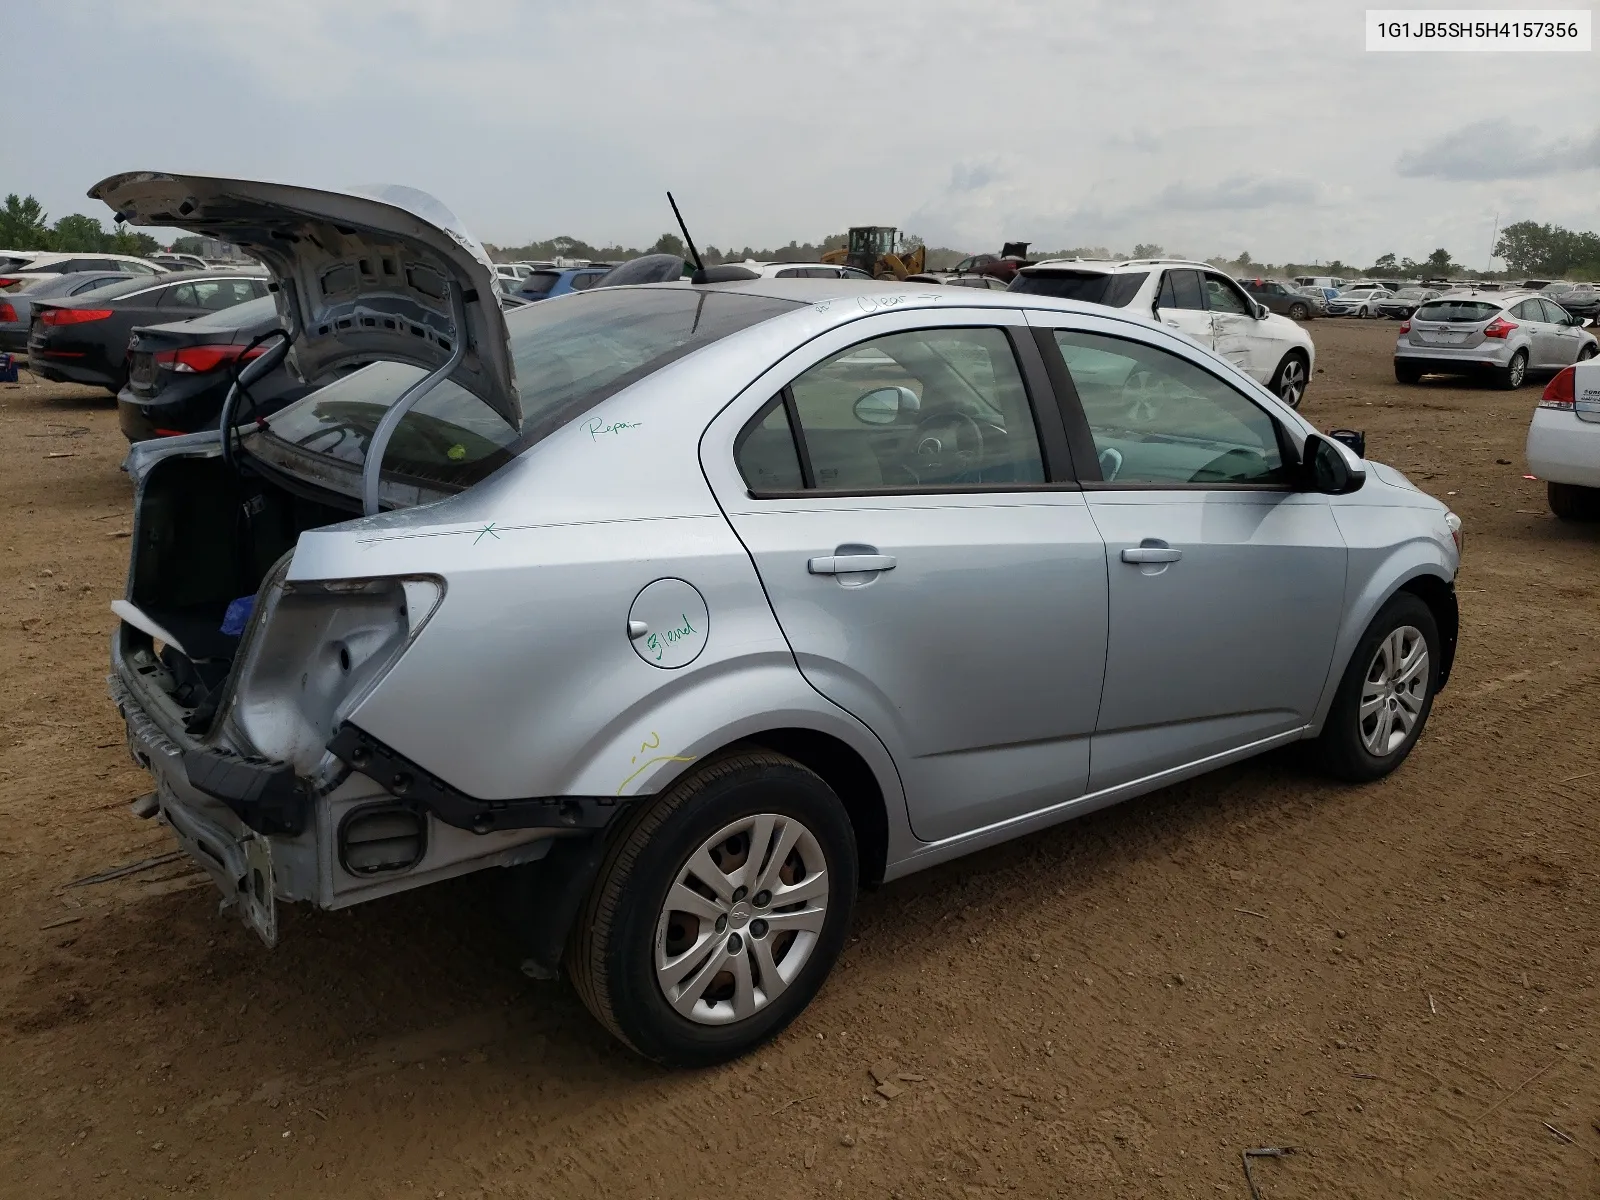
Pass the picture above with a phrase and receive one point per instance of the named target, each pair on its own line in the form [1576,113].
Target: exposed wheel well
[847,773]
[1440,597]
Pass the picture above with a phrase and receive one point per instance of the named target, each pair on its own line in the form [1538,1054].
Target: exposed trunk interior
[205,538]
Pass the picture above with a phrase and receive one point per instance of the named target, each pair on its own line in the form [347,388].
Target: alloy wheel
[1292,382]
[1517,369]
[1394,691]
[741,919]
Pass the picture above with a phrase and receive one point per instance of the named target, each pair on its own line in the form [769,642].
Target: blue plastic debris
[8,368]
[238,615]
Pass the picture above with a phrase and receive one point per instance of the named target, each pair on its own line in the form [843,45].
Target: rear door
[1544,340]
[1226,584]
[1181,304]
[909,504]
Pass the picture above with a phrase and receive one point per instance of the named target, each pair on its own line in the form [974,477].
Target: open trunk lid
[360,275]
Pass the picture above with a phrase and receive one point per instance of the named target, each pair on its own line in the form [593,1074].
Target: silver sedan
[696,606]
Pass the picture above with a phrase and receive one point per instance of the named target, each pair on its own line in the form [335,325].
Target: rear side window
[98,281]
[928,409]
[538,284]
[1457,312]
[586,280]
[1180,289]
[1092,287]
[767,454]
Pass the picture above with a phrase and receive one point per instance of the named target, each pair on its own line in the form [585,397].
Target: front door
[1235,332]
[929,575]
[1226,584]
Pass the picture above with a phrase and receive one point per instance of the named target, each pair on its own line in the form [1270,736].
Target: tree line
[24,225]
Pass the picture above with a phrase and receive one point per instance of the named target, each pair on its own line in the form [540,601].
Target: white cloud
[1240,123]
[1498,149]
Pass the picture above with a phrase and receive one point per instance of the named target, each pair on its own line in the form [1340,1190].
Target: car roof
[863,296]
[53,256]
[1109,266]
[142,283]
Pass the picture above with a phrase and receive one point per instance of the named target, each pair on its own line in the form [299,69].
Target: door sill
[930,853]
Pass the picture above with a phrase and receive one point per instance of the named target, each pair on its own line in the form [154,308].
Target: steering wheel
[1110,460]
[937,454]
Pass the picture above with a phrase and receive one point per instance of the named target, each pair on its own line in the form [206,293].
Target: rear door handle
[1151,554]
[845,564]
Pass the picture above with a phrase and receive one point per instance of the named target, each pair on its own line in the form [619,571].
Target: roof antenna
[699,266]
[702,274]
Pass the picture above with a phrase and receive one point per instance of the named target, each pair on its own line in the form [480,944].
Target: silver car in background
[1499,335]
[695,606]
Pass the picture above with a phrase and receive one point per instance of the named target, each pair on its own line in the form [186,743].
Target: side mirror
[886,405]
[1331,467]
[1262,311]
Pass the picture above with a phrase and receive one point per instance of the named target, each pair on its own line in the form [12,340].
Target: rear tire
[1510,377]
[1405,372]
[621,955]
[1359,746]
[1570,502]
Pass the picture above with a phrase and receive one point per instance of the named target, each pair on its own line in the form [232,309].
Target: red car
[1004,266]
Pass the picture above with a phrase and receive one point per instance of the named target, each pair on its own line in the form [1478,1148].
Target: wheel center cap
[739,915]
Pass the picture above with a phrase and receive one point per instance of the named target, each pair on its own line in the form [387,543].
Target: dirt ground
[1397,980]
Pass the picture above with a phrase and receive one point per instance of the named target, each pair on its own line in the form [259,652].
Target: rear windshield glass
[570,354]
[1468,312]
[262,311]
[1092,287]
[538,283]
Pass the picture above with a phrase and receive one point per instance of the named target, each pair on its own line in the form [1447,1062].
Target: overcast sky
[1259,125]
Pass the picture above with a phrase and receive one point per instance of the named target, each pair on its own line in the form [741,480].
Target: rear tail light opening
[1499,328]
[7,311]
[1561,392]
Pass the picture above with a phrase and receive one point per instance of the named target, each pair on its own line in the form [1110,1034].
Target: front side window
[1222,298]
[928,408]
[1157,418]
[1553,312]
[1180,289]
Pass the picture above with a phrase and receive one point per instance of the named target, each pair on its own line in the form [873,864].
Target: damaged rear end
[232,677]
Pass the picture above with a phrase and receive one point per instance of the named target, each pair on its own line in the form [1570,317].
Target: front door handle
[846,564]
[1151,554]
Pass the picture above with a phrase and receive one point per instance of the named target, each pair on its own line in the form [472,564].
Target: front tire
[720,909]
[1570,502]
[1386,694]
[1509,377]
[1290,380]
[1299,312]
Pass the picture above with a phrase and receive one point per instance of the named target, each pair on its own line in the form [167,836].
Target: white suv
[1196,299]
